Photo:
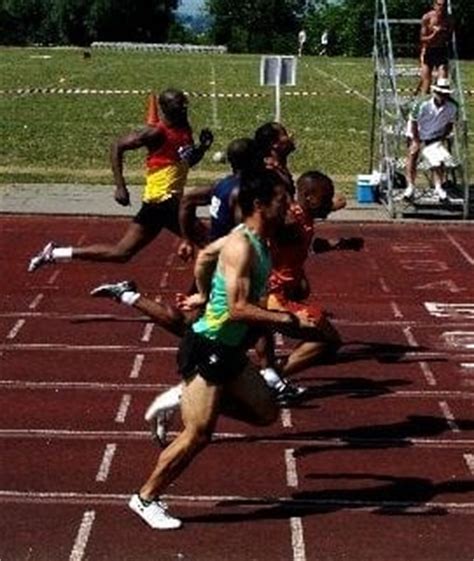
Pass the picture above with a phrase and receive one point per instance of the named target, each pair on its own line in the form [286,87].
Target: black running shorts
[215,362]
[153,217]
[436,56]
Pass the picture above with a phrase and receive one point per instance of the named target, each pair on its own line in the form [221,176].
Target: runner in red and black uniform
[171,152]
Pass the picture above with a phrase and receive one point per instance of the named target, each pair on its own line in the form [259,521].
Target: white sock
[170,399]
[271,377]
[62,253]
[129,297]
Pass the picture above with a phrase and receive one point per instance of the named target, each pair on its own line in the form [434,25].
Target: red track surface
[378,465]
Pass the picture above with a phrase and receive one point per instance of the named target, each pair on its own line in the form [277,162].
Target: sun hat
[442,86]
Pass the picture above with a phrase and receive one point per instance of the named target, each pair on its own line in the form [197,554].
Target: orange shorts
[278,302]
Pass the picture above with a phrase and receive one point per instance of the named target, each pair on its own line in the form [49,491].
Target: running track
[378,465]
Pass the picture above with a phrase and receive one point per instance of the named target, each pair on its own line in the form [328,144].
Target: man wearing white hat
[430,123]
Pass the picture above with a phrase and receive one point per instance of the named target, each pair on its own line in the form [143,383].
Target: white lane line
[123,408]
[384,285]
[36,301]
[137,365]
[290,463]
[285,417]
[80,544]
[397,313]
[297,539]
[106,463]
[469,459]
[347,87]
[336,443]
[29,497]
[147,331]
[430,378]
[458,246]
[53,277]
[410,337]
[164,280]
[139,387]
[448,414]
[16,329]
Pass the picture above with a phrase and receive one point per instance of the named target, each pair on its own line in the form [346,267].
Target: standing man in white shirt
[301,41]
[430,123]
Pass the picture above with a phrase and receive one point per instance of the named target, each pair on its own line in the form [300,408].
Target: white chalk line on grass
[82,537]
[414,505]
[347,87]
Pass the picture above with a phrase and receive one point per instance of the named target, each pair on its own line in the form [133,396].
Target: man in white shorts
[430,123]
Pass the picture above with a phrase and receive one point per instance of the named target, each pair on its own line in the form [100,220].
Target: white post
[277,92]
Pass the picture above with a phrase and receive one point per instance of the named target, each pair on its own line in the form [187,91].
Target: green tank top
[215,323]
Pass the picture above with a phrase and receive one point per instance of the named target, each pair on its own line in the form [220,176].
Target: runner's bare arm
[200,196]
[205,265]
[236,263]
[150,136]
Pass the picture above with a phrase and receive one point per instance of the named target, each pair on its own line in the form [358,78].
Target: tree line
[246,26]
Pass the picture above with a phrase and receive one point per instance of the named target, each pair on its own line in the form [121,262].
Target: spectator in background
[324,44]
[436,30]
[301,41]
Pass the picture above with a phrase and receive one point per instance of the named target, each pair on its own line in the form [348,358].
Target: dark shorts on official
[436,56]
[215,362]
[156,216]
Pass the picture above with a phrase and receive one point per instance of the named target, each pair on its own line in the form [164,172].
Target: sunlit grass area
[65,137]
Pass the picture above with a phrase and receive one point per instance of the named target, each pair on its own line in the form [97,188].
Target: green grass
[66,138]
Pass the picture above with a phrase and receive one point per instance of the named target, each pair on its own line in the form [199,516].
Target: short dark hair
[266,135]
[316,181]
[242,154]
[172,100]
[257,186]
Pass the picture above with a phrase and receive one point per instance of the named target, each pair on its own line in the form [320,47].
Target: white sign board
[277,71]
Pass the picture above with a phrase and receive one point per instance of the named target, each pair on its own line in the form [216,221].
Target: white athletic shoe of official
[154,513]
[44,257]
[441,194]
[409,193]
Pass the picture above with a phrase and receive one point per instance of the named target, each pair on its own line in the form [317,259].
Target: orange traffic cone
[152,113]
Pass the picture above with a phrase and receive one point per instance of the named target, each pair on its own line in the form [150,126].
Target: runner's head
[263,193]
[273,140]
[173,106]
[242,155]
[315,192]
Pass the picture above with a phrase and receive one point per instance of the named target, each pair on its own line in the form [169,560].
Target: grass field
[59,137]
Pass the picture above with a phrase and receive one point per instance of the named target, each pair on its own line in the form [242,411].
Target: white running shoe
[170,399]
[409,193]
[441,194]
[154,513]
[114,290]
[44,257]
